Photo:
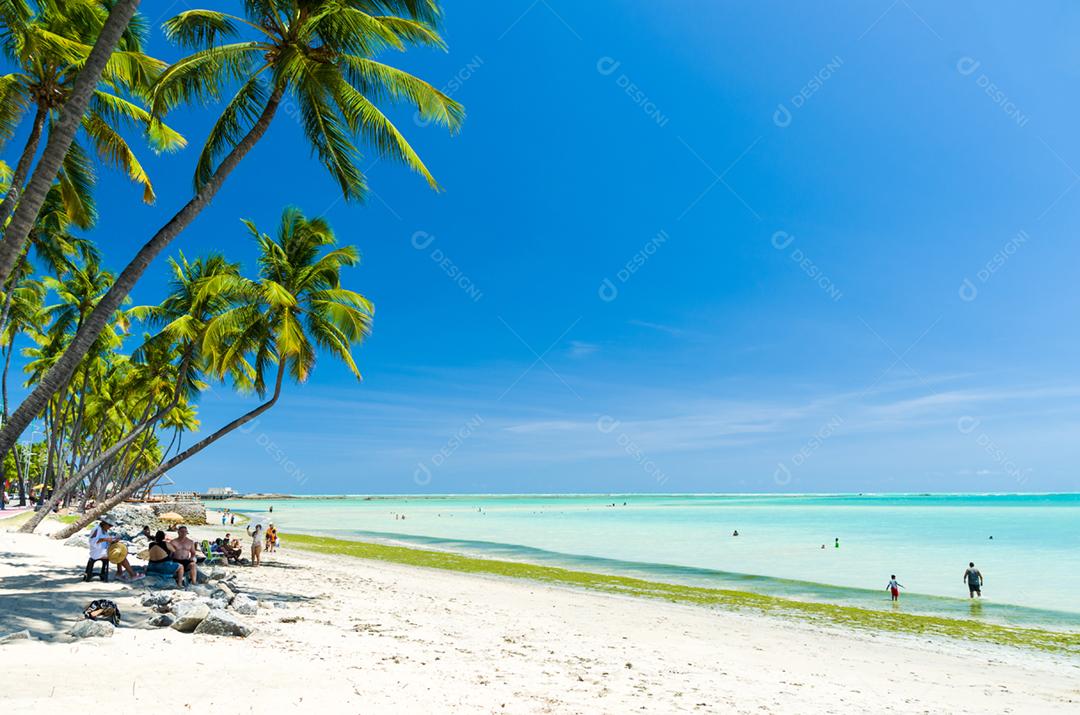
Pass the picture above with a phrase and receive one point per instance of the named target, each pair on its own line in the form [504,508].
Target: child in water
[894,587]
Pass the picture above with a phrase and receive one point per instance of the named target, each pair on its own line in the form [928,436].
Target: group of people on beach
[174,557]
[177,557]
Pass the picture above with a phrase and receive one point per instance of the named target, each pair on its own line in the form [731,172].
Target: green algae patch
[822,613]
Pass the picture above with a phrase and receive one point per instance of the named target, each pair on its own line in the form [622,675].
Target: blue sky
[687,247]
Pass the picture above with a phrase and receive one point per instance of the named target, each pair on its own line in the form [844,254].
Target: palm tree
[59,142]
[49,49]
[295,308]
[166,370]
[321,52]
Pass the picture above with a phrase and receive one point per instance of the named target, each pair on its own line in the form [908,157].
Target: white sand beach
[364,636]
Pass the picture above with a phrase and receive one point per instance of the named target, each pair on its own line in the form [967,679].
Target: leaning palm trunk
[155,474]
[22,168]
[60,137]
[84,339]
[64,488]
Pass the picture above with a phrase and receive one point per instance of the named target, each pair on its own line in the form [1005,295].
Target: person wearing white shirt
[100,538]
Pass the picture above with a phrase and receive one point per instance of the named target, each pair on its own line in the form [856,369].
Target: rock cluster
[203,608]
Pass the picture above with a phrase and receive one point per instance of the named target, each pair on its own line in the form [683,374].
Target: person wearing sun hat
[106,548]
[100,538]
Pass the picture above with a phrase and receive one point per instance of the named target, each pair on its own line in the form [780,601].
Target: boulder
[217,574]
[189,614]
[23,635]
[245,605]
[80,540]
[222,623]
[223,592]
[157,598]
[92,629]
[161,620]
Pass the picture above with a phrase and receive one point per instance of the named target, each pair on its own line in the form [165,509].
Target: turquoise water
[1031,566]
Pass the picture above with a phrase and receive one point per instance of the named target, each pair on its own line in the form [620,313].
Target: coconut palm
[49,49]
[61,135]
[319,52]
[296,308]
[166,370]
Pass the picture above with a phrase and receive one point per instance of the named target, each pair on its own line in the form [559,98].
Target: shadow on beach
[48,602]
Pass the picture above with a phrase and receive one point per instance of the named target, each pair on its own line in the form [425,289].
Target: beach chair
[211,557]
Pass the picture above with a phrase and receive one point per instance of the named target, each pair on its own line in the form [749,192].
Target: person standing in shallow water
[893,587]
[974,580]
[838,542]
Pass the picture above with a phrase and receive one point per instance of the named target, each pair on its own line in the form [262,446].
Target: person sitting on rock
[160,560]
[183,552]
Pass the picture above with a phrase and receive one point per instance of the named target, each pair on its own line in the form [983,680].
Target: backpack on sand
[103,610]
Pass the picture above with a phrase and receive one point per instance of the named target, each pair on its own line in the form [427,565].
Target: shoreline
[386,635]
[728,599]
[733,600]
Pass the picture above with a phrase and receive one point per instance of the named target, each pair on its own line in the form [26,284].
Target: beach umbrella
[171,516]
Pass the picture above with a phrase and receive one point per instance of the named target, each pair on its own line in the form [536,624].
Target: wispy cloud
[579,349]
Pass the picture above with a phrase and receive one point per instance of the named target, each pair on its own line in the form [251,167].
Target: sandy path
[387,638]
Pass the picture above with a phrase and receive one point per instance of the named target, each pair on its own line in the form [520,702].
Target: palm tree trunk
[22,479]
[60,137]
[84,339]
[87,469]
[4,376]
[22,169]
[191,451]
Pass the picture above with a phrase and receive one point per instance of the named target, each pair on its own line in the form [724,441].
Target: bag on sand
[103,610]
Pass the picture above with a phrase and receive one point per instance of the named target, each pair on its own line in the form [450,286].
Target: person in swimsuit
[894,587]
[256,544]
[974,580]
[182,550]
[160,560]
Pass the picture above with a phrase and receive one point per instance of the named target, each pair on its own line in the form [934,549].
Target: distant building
[221,492]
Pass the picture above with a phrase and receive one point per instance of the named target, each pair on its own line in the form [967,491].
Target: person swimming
[736,533]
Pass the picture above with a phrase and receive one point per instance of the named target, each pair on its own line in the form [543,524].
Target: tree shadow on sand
[48,602]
